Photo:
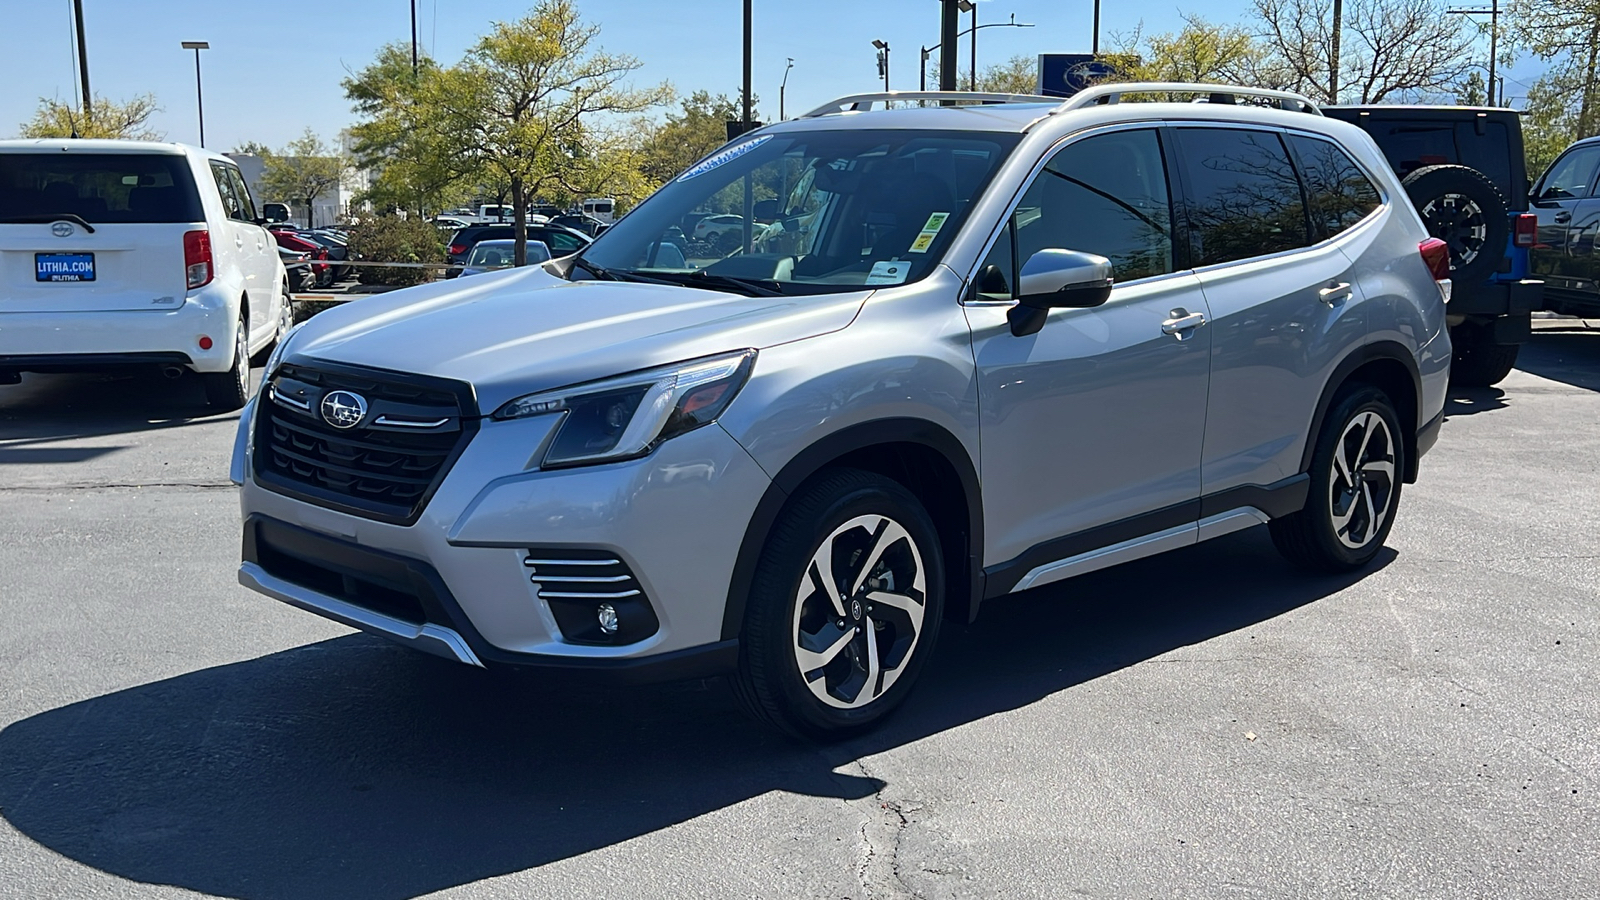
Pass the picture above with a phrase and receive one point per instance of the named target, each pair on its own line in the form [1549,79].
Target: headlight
[277,352]
[627,416]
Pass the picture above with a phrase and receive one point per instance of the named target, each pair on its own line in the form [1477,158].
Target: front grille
[387,465]
[575,583]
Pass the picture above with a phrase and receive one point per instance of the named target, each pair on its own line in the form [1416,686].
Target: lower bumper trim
[88,362]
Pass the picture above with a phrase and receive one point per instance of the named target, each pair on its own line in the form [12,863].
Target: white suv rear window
[98,187]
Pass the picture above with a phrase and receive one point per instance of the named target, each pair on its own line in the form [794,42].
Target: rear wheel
[1478,361]
[228,391]
[844,607]
[1355,486]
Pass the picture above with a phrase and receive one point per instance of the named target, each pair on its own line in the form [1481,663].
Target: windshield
[494,254]
[808,213]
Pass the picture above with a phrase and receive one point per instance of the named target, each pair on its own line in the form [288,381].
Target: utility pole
[1493,12]
[83,61]
[1333,52]
[949,26]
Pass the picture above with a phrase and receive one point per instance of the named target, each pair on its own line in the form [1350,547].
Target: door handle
[1182,323]
[1335,293]
[238,240]
[1563,217]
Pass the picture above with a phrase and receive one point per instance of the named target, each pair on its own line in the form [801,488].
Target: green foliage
[1564,104]
[391,238]
[301,172]
[695,130]
[106,119]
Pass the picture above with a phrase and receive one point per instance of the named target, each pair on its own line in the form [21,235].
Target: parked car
[722,231]
[589,225]
[134,253]
[1463,169]
[293,240]
[488,256]
[338,251]
[1567,251]
[561,241]
[1160,322]
[298,266]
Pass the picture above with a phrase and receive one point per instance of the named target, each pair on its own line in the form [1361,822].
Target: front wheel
[1356,472]
[844,607]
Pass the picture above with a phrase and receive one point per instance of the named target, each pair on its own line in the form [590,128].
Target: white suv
[130,253]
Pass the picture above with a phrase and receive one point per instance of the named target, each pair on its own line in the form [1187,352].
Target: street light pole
[883,61]
[1094,42]
[199,98]
[83,61]
[972,77]
[747,65]
[927,52]
[949,25]
[413,38]
[783,87]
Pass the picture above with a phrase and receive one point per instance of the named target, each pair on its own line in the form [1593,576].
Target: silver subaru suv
[930,355]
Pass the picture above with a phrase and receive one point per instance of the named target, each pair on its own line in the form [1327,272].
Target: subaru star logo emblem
[342,409]
[62,229]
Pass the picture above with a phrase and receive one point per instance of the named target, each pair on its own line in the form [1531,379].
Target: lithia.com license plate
[63,266]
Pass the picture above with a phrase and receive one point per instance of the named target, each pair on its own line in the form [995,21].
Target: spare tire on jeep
[1461,206]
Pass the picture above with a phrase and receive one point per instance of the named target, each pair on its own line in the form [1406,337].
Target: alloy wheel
[1361,490]
[858,611]
[1459,221]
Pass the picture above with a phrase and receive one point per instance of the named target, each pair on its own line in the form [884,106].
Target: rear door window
[101,188]
[232,206]
[561,243]
[1340,193]
[1244,197]
[247,205]
[1572,176]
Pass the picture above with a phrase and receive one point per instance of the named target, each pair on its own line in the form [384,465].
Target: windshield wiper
[618,274]
[755,287]
[53,217]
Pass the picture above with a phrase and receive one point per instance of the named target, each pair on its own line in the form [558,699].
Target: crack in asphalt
[879,872]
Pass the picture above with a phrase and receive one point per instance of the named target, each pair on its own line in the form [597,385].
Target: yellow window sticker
[930,230]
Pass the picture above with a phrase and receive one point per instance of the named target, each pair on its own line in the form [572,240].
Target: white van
[132,253]
[601,208]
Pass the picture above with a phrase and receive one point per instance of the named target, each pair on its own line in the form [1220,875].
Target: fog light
[607,614]
[205,342]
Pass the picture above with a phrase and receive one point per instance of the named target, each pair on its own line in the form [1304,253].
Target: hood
[525,330]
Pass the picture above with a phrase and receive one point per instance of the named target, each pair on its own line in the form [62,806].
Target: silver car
[956,352]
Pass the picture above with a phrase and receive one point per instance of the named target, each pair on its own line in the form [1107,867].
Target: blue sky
[275,68]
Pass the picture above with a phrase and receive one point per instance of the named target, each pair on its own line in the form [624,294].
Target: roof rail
[1102,94]
[855,102]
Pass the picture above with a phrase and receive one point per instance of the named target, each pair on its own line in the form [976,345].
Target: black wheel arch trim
[827,450]
[1368,353]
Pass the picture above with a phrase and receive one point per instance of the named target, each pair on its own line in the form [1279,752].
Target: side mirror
[1053,279]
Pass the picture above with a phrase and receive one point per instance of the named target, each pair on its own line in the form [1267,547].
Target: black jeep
[1463,169]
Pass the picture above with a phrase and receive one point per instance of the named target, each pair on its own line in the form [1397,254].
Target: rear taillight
[1436,255]
[458,249]
[1525,230]
[197,266]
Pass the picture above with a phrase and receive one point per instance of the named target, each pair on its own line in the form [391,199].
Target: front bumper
[675,518]
[80,341]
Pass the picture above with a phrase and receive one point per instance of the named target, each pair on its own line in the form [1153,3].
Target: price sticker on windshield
[890,271]
[929,231]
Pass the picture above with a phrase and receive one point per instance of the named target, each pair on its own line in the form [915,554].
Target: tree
[105,119]
[1199,52]
[1564,104]
[417,167]
[1391,49]
[303,171]
[1017,75]
[697,128]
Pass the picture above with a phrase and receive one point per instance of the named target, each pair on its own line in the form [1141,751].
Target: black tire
[787,610]
[1462,207]
[1313,538]
[230,390]
[1477,360]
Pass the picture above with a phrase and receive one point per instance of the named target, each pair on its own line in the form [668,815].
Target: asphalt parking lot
[1206,724]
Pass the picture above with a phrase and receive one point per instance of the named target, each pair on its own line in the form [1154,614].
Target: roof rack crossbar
[855,102]
[1102,94]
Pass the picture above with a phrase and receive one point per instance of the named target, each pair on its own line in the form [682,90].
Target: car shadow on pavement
[1469,401]
[46,408]
[1569,357]
[353,768]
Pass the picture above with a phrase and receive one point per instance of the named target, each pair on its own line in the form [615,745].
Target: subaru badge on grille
[342,409]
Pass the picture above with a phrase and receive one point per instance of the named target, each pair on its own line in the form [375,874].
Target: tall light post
[83,61]
[199,98]
[413,38]
[883,61]
[927,52]
[971,6]
[783,87]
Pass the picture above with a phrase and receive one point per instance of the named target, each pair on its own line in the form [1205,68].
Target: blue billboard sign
[1065,74]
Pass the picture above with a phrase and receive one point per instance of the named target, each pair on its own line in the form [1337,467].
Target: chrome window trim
[1033,175]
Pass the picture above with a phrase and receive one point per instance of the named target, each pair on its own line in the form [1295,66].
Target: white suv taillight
[197,258]
[1436,254]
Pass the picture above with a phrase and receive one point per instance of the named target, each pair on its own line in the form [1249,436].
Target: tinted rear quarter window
[109,188]
[1244,198]
[1340,193]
